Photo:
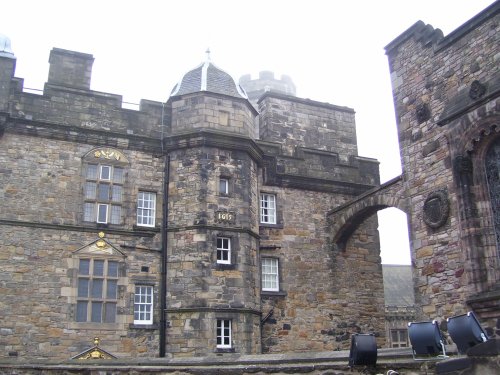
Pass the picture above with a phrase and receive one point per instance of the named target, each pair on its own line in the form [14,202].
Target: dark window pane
[394,335]
[96,312]
[83,287]
[97,288]
[110,313]
[98,267]
[116,195]
[118,175]
[404,335]
[91,171]
[90,190]
[111,289]
[112,269]
[102,213]
[81,311]
[105,172]
[84,266]
[103,192]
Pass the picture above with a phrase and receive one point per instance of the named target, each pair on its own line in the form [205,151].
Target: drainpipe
[163,285]
[164,255]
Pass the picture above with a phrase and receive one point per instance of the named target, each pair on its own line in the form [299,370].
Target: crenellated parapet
[68,105]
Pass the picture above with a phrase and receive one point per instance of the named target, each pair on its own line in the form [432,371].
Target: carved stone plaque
[436,209]
[225,217]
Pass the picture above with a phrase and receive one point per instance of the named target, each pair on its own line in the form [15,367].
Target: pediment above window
[94,352]
[100,247]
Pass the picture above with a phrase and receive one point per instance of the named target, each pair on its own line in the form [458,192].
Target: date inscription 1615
[224,216]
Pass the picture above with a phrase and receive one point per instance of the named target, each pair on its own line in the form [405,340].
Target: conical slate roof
[208,77]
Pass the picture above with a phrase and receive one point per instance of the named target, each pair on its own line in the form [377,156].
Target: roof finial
[208,54]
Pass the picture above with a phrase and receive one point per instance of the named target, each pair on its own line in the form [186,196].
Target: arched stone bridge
[345,219]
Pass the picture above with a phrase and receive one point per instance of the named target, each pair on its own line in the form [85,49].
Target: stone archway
[347,218]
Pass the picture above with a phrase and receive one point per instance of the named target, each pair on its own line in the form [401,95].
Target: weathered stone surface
[458,259]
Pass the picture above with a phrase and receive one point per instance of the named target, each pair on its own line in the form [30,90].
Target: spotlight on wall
[363,350]
[426,341]
[466,331]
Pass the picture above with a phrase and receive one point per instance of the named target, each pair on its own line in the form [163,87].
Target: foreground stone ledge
[331,363]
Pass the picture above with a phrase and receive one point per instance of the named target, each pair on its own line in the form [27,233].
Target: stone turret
[209,98]
[213,278]
[266,82]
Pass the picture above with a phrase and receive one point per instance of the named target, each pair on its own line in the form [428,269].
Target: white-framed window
[223,186]
[223,333]
[223,250]
[267,208]
[146,208]
[143,304]
[103,192]
[270,274]
[97,289]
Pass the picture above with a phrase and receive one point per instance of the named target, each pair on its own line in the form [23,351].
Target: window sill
[95,326]
[143,326]
[225,350]
[266,225]
[269,293]
[225,267]
[145,228]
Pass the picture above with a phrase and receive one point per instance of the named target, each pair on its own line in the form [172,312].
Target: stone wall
[38,287]
[295,122]
[308,158]
[212,111]
[325,295]
[446,109]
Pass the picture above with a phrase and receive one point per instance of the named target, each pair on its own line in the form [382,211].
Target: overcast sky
[333,50]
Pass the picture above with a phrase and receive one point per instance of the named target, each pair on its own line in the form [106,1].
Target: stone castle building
[179,229]
[212,224]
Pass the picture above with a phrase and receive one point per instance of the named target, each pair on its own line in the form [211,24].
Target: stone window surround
[111,203]
[106,156]
[122,280]
[223,246]
[278,276]
[234,240]
[149,305]
[224,324]
[275,208]
[399,332]
[153,195]
[91,278]
[226,181]
[144,281]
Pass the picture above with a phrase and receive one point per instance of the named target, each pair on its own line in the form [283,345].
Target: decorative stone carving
[477,90]
[423,113]
[436,209]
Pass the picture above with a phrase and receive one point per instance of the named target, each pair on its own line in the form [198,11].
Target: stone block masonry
[149,228]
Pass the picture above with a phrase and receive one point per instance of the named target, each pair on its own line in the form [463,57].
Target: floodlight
[426,340]
[363,350]
[466,331]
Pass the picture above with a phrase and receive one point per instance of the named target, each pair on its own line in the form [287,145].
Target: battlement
[67,100]
[266,82]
